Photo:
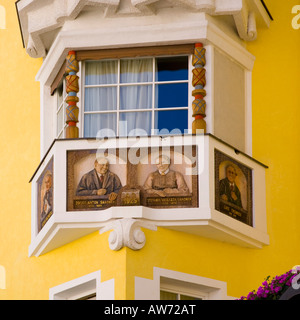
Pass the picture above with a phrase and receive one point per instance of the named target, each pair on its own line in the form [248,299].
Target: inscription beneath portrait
[169,201]
[93,204]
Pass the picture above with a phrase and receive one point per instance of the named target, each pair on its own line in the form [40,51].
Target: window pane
[171,68]
[171,95]
[164,295]
[135,97]
[100,99]
[60,120]
[100,125]
[60,95]
[135,123]
[176,120]
[136,70]
[89,297]
[101,72]
[184,297]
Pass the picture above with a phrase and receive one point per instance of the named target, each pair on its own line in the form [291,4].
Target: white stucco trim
[179,281]
[38,18]
[202,29]
[84,286]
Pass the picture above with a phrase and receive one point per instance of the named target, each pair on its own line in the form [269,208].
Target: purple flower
[277,289]
[271,290]
[251,296]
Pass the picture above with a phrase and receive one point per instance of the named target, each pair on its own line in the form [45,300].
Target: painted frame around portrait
[132,176]
[239,210]
[45,202]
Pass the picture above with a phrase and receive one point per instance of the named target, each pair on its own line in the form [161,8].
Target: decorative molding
[199,82]
[179,282]
[204,30]
[245,21]
[127,233]
[72,88]
[38,18]
[83,286]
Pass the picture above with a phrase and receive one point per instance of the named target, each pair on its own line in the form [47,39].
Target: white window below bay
[173,295]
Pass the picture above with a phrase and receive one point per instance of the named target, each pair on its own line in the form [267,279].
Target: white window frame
[62,133]
[83,287]
[153,83]
[200,295]
[179,282]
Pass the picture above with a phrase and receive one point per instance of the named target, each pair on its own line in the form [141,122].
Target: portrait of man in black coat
[100,181]
[228,189]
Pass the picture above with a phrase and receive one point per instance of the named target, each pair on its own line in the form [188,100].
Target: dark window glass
[171,95]
[171,120]
[171,69]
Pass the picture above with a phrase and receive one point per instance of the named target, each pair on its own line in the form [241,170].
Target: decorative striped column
[72,88]
[199,82]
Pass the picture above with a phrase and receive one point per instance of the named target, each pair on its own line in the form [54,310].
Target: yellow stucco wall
[275,143]
[276,133]
[19,111]
[31,278]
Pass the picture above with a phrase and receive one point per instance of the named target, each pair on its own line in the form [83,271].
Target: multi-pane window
[61,110]
[169,295]
[91,296]
[136,96]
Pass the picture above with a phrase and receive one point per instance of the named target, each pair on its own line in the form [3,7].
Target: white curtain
[99,73]
[104,98]
[136,96]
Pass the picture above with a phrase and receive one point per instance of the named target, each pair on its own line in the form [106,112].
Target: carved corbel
[35,47]
[47,18]
[245,21]
[127,233]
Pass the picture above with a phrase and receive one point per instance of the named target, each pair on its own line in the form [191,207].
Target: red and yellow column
[72,88]
[199,82]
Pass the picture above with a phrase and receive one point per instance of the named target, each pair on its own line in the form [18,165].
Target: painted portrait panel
[233,188]
[94,179]
[45,195]
[169,178]
[131,177]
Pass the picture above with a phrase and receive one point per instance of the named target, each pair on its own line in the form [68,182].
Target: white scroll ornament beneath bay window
[127,233]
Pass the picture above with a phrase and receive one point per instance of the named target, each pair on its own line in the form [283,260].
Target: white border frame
[83,286]
[153,83]
[191,284]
